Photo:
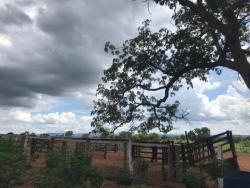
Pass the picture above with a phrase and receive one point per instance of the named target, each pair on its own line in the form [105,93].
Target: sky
[52,59]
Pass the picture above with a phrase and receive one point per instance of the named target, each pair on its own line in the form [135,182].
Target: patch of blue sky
[67,104]
[226,78]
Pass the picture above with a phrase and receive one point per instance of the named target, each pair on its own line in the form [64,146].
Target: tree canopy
[149,69]
[69,133]
[199,134]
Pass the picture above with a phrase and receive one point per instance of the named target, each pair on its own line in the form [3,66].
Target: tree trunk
[241,64]
[244,71]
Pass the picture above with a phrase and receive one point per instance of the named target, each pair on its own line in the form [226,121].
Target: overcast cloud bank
[51,58]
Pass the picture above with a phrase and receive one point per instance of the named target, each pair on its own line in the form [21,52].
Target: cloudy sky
[52,58]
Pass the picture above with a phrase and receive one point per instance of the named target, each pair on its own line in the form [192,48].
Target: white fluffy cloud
[226,111]
[20,121]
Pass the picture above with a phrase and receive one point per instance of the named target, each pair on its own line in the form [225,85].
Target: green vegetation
[199,134]
[217,168]
[190,178]
[12,164]
[141,170]
[125,178]
[63,172]
[148,70]
[193,179]
[242,144]
[69,133]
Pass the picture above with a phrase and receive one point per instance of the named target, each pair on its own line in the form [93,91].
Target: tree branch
[212,21]
[180,73]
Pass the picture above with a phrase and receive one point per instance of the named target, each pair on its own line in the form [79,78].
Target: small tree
[68,133]
[124,135]
[199,134]
[44,135]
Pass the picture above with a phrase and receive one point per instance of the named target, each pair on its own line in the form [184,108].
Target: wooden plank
[149,144]
[218,135]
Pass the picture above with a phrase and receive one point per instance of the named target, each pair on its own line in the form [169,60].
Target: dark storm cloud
[62,50]
[11,15]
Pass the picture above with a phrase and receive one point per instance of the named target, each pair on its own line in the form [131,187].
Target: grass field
[243,147]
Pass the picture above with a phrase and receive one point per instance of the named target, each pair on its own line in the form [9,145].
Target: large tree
[150,68]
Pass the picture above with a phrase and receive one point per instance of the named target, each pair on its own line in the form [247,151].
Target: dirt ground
[114,163]
[244,161]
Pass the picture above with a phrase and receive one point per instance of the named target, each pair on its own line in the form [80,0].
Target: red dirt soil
[244,161]
[113,164]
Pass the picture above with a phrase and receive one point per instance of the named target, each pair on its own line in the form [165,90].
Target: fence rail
[168,153]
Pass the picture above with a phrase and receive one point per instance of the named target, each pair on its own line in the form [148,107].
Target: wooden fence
[168,153]
[204,150]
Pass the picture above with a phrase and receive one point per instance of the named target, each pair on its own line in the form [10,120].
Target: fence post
[219,157]
[33,147]
[51,144]
[125,155]
[105,151]
[25,144]
[183,153]
[72,146]
[64,147]
[170,161]
[164,156]
[177,159]
[129,156]
[232,147]
[88,145]
[211,148]
[115,148]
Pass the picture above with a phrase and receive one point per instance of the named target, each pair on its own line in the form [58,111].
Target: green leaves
[62,172]
[12,164]
[152,67]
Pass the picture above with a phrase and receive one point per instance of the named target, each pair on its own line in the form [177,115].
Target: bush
[47,178]
[125,178]
[216,168]
[190,178]
[12,164]
[139,186]
[193,179]
[141,170]
[68,172]
[141,165]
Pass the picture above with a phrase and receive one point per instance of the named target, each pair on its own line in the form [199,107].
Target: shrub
[125,178]
[62,172]
[12,164]
[141,170]
[47,178]
[138,186]
[193,179]
[216,168]
[190,178]
[141,165]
